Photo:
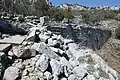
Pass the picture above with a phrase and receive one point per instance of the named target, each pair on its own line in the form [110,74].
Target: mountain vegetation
[37,8]
[92,17]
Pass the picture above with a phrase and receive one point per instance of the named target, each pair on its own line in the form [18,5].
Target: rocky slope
[44,55]
[110,50]
[110,53]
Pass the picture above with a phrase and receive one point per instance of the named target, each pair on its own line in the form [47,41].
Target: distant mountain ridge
[73,6]
[81,7]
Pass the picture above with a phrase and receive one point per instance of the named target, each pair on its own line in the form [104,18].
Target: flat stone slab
[5,47]
[17,39]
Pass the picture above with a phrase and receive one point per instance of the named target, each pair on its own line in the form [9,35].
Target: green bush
[117,33]
[109,14]
[118,17]
[67,14]
[41,7]
[59,14]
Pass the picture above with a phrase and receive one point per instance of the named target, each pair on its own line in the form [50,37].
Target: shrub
[118,17]
[67,14]
[41,7]
[117,33]
[92,17]
[59,14]
[109,14]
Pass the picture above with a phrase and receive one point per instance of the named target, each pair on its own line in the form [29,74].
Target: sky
[88,3]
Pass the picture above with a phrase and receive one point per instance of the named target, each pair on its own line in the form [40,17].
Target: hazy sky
[88,2]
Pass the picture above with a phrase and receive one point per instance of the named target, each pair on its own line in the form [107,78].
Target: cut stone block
[17,39]
[5,47]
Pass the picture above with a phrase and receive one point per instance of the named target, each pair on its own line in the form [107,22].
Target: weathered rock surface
[43,48]
[44,36]
[12,73]
[17,39]
[42,63]
[73,77]
[23,52]
[5,47]
[47,75]
[56,68]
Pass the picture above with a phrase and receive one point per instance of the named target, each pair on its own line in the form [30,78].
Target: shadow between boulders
[7,28]
[5,62]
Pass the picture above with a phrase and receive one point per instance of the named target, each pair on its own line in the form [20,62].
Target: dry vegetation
[92,17]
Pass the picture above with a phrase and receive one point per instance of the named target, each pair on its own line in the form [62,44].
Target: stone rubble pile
[43,55]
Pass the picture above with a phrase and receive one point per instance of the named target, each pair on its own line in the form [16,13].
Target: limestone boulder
[54,43]
[56,68]
[23,51]
[47,75]
[42,63]
[12,73]
[44,49]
